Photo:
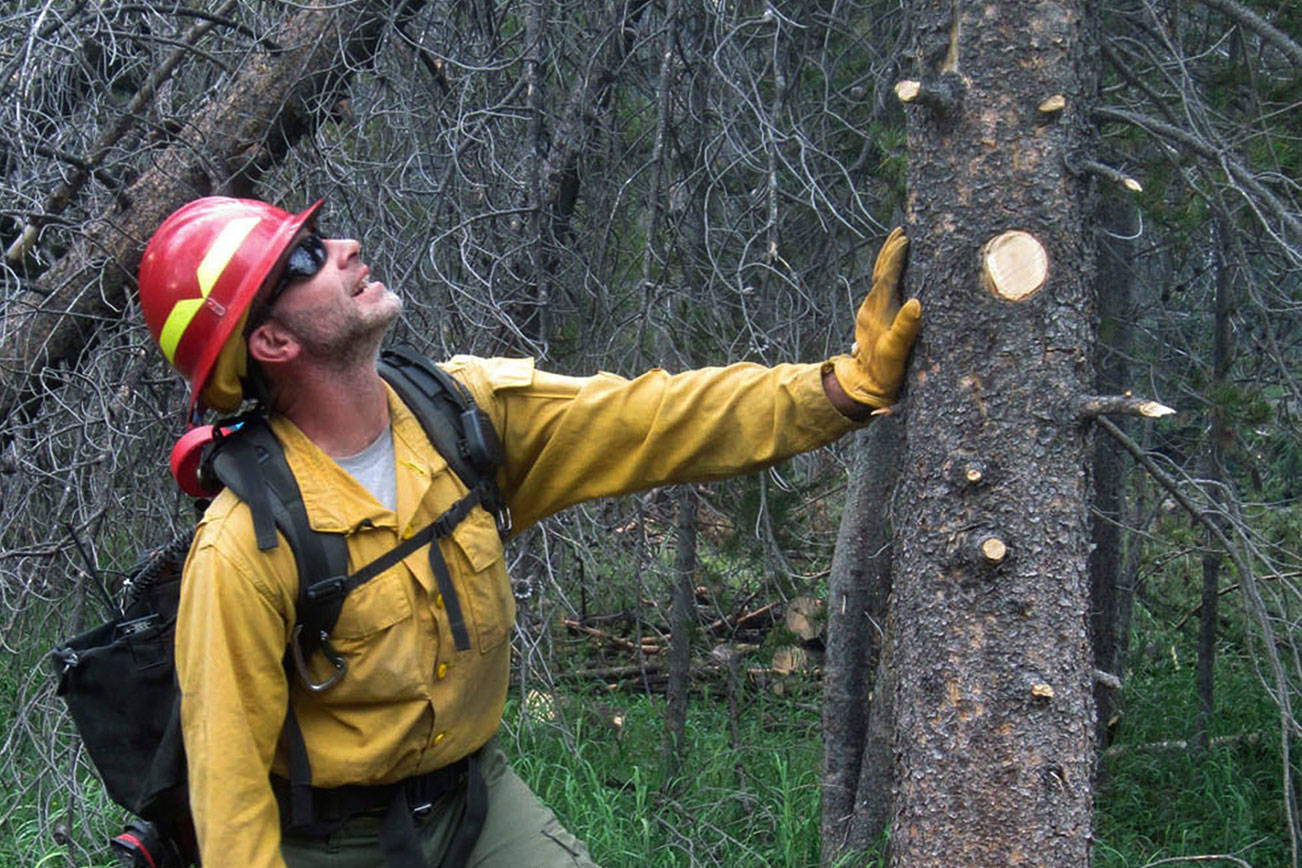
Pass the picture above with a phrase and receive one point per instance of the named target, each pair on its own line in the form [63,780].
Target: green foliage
[890,142]
[758,805]
[1156,802]
[753,805]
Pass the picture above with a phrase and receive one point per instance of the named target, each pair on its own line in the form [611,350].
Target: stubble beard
[351,338]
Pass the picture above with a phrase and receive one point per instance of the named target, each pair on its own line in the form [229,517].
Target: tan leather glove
[883,332]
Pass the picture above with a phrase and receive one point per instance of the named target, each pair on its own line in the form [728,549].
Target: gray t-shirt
[373,468]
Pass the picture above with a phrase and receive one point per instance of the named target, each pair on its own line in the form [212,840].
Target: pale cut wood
[993,550]
[806,617]
[1105,171]
[907,90]
[790,659]
[1014,265]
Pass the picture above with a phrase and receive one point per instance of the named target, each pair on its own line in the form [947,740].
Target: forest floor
[748,794]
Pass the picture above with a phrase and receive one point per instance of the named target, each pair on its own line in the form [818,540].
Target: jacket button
[438,601]
[439,737]
[441,671]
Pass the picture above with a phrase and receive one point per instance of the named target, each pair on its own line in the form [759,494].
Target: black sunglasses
[305,259]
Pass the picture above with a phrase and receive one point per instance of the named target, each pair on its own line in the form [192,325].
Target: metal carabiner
[502,518]
[339,663]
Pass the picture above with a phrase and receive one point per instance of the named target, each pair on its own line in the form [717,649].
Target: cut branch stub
[942,94]
[970,473]
[993,550]
[1053,104]
[908,90]
[1093,406]
[1014,265]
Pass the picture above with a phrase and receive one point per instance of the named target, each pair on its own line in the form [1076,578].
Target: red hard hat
[202,269]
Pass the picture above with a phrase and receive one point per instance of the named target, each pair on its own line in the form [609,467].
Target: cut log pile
[632,651]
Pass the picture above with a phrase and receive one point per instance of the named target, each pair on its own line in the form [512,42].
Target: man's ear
[271,343]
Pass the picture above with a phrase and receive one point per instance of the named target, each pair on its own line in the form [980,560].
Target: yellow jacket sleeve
[230,642]
[570,439]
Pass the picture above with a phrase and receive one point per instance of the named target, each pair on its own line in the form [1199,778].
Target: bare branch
[1263,28]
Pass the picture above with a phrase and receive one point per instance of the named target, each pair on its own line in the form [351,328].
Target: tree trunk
[1117,227]
[1214,472]
[682,621]
[856,781]
[993,703]
[273,100]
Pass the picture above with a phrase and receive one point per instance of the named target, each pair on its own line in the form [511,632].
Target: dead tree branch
[244,129]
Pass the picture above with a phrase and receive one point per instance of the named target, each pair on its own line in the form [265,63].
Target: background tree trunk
[682,624]
[1117,229]
[993,701]
[1213,472]
[856,779]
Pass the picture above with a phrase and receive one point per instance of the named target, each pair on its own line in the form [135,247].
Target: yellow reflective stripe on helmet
[219,255]
[227,243]
[177,321]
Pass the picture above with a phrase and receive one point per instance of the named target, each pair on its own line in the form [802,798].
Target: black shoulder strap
[438,401]
[251,462]
[454,424]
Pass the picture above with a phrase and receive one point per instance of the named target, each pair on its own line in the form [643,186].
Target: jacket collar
[334,500]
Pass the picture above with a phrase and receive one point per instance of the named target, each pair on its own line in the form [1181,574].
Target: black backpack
[119,679]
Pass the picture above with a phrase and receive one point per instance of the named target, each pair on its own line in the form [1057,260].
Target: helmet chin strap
[257,388]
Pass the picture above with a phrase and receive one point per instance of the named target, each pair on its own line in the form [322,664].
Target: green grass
[1158,803]
[753,806]
[759,806]
[22,844]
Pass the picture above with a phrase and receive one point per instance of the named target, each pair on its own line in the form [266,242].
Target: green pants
[519,831]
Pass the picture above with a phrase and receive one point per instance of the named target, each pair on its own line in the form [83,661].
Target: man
[246,300]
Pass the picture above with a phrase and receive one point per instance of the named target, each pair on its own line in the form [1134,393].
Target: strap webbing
[472,822]
[398,841]
[334,591]
[431,398]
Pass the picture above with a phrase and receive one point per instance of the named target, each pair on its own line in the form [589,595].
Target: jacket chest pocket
[478,569]
[375,635]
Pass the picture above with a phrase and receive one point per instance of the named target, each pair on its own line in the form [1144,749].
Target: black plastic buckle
[326,588]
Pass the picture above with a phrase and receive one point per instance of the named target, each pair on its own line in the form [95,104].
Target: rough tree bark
[275,98]
[993,704]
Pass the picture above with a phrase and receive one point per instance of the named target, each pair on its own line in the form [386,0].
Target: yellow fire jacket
[410,702]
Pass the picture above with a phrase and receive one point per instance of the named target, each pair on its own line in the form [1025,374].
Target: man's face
[338,315]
